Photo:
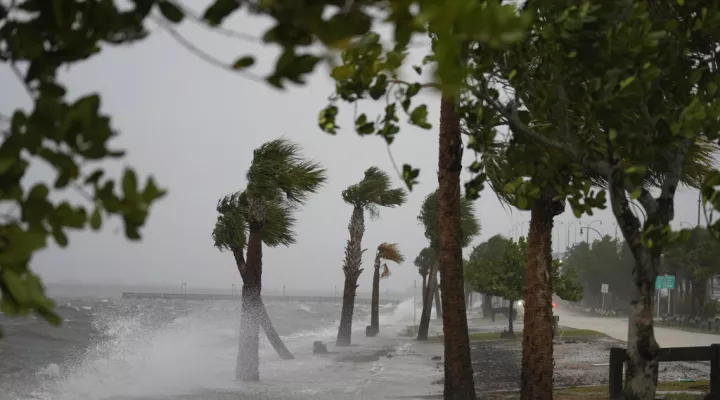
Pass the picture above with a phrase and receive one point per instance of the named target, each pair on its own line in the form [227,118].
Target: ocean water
[120,349]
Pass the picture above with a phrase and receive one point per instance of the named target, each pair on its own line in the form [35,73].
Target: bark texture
[424,287]
[352,271]
[438,302]
[537,353]
[510,317]
[424,326]
[375,303]
[459,384]
[248,360]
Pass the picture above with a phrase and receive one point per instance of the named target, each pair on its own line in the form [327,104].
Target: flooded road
[617,328]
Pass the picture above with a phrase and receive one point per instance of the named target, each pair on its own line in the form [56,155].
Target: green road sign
[670,282]
[665,282]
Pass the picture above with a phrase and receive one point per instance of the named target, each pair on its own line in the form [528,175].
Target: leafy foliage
[279,172]
[281,179]
[503,273]
[497,268]
[425,260]
[231,228]
[373,191]
[389,252]
[37,38]
[604,261]
[428,218]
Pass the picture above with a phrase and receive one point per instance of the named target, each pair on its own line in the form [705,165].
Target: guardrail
[618,356]
[708,324]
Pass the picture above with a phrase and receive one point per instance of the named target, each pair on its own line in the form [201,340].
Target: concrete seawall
[214,297]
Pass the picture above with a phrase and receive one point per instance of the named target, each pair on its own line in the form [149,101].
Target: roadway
[617,328]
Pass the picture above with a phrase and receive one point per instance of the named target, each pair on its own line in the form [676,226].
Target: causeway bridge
[267,298]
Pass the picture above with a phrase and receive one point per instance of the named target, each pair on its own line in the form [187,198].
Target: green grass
[601,392]
[486,336]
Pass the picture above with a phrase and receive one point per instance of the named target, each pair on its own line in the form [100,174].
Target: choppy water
[119,349]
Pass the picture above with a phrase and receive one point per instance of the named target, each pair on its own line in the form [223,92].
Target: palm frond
[428,217]
[375,189]
[230,231]
[231,228]
[385,272]
[279,225]
[279,170]
[425,260]
[390,252]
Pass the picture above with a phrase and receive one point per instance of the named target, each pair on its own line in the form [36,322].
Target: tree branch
[200,53]
[510,113]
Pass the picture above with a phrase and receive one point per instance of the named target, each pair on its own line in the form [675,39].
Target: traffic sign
[670,282]
[604,288]
[665,282]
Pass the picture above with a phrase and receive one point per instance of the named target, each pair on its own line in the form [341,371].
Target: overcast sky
[194,126]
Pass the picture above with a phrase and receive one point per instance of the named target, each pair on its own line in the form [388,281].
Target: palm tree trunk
[459,384]
[265,320]
[424,288]
[375,306]
[272,334]
[424,326]
[352,270]
[248,360]
[487,305]
[438,303]
[537,355]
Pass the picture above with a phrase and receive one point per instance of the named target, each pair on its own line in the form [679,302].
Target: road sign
[604,288]
[670,282]
[665,282]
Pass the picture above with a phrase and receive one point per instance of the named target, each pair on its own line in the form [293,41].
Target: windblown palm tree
[279,181]
[230,234]
[428,217]
[384,252]
[424,263]
[371,193]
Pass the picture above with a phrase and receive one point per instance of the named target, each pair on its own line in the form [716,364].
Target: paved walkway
[617,328]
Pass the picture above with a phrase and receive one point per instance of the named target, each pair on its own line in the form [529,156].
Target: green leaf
[129,183]
[152,192]
[6,163]
[342,72]
[243,62]
[171,11]
[60,237]
[216,13]
[627,81]
[16,286]
[38,192]
[96,219]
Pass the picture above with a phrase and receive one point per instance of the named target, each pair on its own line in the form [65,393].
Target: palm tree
[384,252]
[279,181]
[373,191]
[230,234]
[429,218]
[424,263]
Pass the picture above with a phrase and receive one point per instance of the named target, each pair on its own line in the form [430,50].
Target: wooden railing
[618,356]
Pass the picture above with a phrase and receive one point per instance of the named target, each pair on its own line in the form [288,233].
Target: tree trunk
[424,326]
[537,354]
[459,383]
[265,320]
[248,361]
[352,271]
[438,303]
[486,305]
[641,371]
[272,334]
[424,288]
[375,303]
[510,318]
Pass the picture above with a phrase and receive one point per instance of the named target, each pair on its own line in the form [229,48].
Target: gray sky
[194,126]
